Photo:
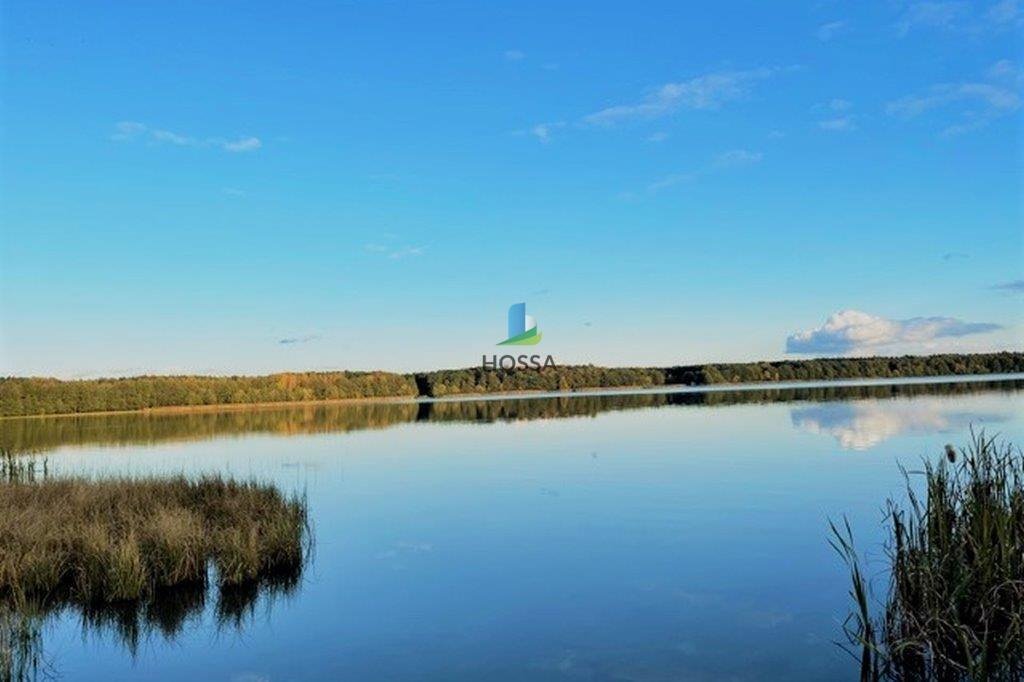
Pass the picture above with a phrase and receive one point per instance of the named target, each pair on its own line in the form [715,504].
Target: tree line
[25,396]
[33,396]
[823,369]
[45,433]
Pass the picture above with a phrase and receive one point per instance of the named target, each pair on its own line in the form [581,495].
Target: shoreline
[525,395]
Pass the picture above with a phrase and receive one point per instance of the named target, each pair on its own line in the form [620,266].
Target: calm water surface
[644,537]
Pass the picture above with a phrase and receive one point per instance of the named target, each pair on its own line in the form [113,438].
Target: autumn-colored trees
[28,396]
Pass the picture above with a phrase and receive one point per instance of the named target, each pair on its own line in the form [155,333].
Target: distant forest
[34,396]
[20,396]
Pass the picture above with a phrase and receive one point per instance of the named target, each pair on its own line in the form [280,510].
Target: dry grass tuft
[97,541]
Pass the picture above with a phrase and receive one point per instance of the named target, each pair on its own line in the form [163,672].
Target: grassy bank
[38,396]
[954,604]
[99,541]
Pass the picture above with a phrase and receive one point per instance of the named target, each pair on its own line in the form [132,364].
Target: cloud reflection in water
[864,424]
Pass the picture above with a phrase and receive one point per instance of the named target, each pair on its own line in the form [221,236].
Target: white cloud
[657,137]
[853,331]
[827,32]
[838,104]
[515,55]
[706,92]
[133,131]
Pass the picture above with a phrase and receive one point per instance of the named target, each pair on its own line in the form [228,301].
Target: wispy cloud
[853,331]
[406,252]
[245,144]
[732,159]
[249,677]
[955,16]
[395,253]
[707,92]
[669,181]
[174,138]
[298,339]
[400,549]
[1006,73]
[977,103]
[542,131]
[515,55]
[1014,287]
[837,115]
[827,32]
[1005,13]
[989,96]
[943,15]
[133,131]
[737,157]
[840,124]
[128,130]
[659,136]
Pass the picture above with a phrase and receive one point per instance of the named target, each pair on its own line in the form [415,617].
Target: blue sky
[250,187]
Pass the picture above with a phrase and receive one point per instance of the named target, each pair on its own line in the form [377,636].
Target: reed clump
[954,604]
[104,541]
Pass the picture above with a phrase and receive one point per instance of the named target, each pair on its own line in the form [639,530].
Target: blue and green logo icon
[522,328]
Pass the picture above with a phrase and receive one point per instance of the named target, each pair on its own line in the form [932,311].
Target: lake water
[598,537]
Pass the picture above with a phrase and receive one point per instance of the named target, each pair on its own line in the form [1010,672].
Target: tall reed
[954,603]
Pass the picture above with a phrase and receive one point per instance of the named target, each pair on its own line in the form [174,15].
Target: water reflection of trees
[38,434]
[166,614]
